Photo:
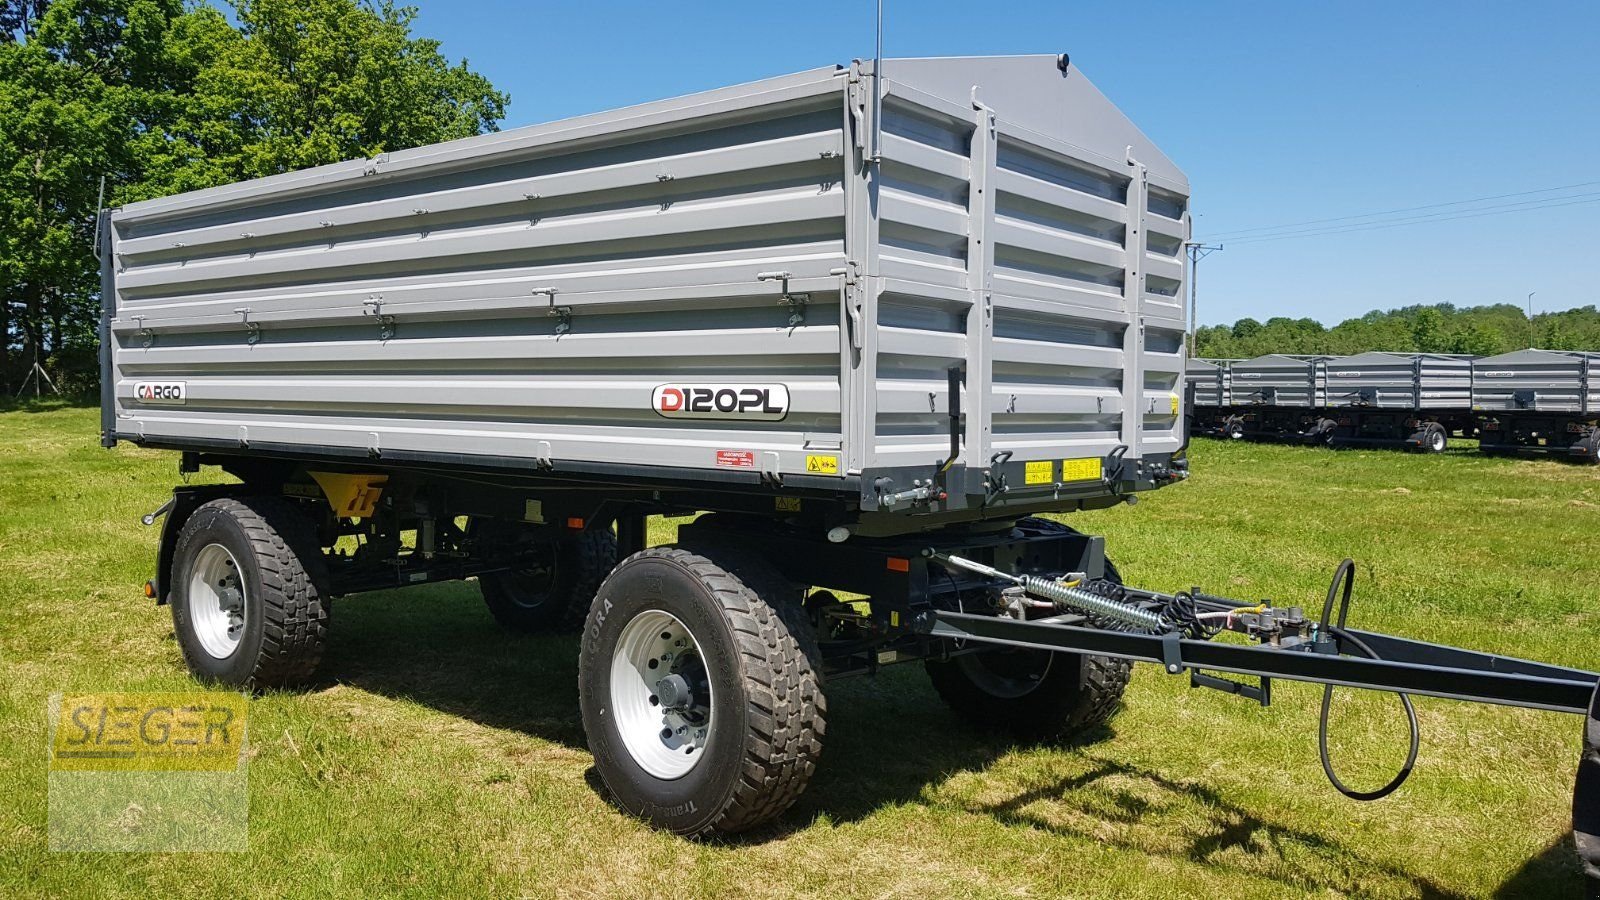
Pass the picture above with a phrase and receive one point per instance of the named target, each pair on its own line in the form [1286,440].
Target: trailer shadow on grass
[929,758]
[437,646]
[1553,873]
[890,743]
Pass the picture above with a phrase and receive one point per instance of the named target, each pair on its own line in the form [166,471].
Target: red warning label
[736,459]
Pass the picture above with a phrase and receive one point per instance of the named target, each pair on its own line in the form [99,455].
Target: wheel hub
[661,696]
[674,693]
[217,601]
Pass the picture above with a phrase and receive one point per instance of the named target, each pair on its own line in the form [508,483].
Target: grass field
[439,755]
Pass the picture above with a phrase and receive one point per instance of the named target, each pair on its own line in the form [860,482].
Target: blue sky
[1280,113]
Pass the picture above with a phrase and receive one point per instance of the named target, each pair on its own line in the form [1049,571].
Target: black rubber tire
[1586,800]
[1324,432]
[1432,438]
[1075,693]
[768,713]
[1233,430]
[525,604]
[286,603]
[1593,456]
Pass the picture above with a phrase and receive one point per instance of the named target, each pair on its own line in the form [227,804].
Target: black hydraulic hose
[1344,577]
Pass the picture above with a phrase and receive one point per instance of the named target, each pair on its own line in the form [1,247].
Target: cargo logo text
[173,392]
[749,402]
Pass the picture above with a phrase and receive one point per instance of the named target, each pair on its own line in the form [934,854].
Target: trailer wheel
[555,594]
[1586,799]
[702,707]
[1036,695]
[1233,428]
[1592,444]
[1431,438]
[248,606]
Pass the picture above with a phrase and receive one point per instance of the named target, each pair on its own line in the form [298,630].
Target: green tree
[1439,328]
[160,97]
[73,76]
[1428,331]
[1480,339]
[302,83]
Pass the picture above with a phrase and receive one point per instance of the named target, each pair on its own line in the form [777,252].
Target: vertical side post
[980,274]
[108,311]
[877,90]
[1133,405]
[859,284]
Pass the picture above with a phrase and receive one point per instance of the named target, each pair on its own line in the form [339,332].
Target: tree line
[1437,328]
[161,96]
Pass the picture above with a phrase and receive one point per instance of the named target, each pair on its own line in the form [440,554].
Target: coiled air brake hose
[1344,577]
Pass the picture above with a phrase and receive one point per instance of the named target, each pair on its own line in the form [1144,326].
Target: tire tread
[778,663]
[294,602]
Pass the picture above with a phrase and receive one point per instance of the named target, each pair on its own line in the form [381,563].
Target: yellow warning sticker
[1174,404]
[1080,469]
[1039,472]
[786,504]
[822,465]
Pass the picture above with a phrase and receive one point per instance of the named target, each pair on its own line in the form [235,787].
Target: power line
[1422,217]
[1390,212]
[1379,226]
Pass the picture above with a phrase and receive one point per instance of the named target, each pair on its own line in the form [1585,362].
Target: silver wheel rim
[217,605]
[1436,440]
[666,739]
[995,682]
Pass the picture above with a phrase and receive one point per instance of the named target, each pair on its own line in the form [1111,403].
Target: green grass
[441,756]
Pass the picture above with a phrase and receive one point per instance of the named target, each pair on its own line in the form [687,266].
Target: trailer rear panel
[721,286]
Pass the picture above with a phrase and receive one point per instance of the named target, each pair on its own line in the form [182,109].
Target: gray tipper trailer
[1208,391]
[870,327]
[1407,399]
[1543,401]
[1277,396]
[1208,382]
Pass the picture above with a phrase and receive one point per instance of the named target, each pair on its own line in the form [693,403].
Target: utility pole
[1198,250]
[1530,305]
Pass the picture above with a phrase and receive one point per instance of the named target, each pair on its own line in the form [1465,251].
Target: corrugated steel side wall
[275,313]
[521,295]
[1287,382]
[1400,383]
[1548,381]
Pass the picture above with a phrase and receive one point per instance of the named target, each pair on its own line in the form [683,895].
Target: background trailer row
[1530,400]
